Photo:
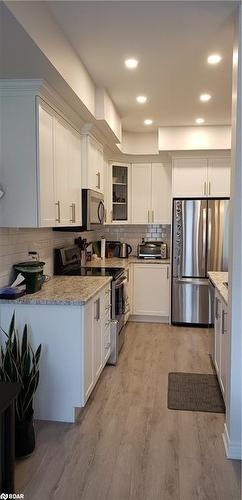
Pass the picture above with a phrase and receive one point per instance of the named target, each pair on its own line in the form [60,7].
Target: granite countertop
[65,290]
[124,263]
[218,278]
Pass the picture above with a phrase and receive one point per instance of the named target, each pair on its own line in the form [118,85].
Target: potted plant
[19,363]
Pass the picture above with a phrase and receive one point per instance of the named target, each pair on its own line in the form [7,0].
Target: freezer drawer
[190,304]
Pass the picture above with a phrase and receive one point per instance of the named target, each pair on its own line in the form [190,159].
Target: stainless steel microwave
[93,212]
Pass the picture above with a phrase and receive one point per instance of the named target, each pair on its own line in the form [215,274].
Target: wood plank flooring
[127,444]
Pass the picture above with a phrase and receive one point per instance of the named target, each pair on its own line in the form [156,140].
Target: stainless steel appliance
[200,244]
[152,250]
[124,250]
[67,262]
[93,211]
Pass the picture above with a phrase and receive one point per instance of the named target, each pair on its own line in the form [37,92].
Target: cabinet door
[88,353]
[46,168]
[219,177]
[61,173]
[217,330]
[151,290]
[94,166]
[74,194]
[141,193]
[189,178]
[97,335]
[161,194]
[224,350]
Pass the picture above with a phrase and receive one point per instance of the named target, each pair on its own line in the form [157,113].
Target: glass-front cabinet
[119,193]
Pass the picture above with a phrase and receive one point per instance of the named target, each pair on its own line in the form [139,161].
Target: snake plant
[19,363]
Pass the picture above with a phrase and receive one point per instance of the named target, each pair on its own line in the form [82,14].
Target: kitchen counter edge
[218,278]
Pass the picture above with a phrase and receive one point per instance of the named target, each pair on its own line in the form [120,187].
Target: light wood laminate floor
[127,444]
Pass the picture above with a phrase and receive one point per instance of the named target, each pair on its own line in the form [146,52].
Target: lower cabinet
[151,290]
[75,343]
[221,342]
[96,338]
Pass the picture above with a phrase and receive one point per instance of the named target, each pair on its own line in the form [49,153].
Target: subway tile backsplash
[133,234]
[16,243]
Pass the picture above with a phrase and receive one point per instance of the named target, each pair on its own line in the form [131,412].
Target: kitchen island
[70,318]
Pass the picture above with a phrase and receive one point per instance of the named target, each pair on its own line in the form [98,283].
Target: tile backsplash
[133,234]
[16,243]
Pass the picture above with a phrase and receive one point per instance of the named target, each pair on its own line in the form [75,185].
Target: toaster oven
[152,250]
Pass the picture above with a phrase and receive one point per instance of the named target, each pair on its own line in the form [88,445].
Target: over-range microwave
[93,212]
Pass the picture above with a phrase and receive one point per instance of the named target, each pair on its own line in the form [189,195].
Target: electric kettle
[124,250]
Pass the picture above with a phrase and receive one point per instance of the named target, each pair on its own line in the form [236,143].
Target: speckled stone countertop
[124,263]
[218,278]
[64,290]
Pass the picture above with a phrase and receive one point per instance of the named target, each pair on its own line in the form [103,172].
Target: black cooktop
[114,272]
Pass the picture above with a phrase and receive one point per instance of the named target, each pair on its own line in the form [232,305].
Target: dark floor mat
[194,392]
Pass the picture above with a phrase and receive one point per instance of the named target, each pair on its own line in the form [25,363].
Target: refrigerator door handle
[209,237]
[204,216]
[192,281]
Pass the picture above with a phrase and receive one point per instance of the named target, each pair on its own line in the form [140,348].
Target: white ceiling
[171,40]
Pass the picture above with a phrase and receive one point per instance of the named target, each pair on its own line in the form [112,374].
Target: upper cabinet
[92,164]
[219,177]
[40,167]
[151,193]
[201,177]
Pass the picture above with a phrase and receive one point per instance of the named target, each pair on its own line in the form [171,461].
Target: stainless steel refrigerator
[200,244]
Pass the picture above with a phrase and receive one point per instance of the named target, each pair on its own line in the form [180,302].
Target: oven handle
[118,284]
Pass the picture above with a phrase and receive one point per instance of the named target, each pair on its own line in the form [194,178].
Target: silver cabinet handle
[105,215]
[216,308]
[58,218]
[209,188]
[98,180]
[148,216]
[223,322]
[205,188]
[128,275]
[167,272]
[73,212]
[97,305]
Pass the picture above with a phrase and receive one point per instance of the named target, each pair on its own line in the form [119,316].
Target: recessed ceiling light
[131,63]
[148,121]
[214,58]
[205,97]
[199,121]
[141,99]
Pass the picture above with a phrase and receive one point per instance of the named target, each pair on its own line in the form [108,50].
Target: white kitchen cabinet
[46,167]
[97,337]
[92,164]
[43,169]
[141,193]
[221,342]
[219,177]
[201,177]
[73,354]
[75,187]
[161,193]
[151,193]
[189,177]
[151,290]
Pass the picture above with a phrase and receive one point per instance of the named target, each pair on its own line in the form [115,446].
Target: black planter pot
[24,437]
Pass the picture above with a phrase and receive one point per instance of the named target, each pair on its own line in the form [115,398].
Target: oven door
[120,302]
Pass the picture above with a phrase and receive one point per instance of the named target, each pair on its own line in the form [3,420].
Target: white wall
[139,143]
[105,110]
[232,434]
[192,138]
[37,20]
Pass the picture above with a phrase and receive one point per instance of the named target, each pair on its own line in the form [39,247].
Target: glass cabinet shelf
[119,193]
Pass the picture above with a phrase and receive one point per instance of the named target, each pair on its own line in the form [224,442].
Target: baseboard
[148,319]
[233,450]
